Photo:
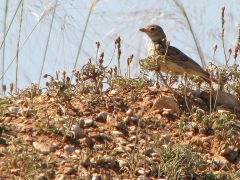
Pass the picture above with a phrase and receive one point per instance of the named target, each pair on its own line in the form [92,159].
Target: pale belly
[172,68]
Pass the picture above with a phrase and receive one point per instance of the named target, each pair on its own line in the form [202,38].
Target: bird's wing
[175,55]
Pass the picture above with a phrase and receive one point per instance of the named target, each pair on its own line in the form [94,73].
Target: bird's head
[154,32]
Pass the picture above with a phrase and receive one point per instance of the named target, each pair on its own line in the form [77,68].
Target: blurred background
[44,36]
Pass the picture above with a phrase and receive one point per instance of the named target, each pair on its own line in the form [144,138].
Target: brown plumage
[176,62]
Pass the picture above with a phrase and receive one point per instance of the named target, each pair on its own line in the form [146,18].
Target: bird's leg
[172,82]
[157,83]
[164,81]
[185,89]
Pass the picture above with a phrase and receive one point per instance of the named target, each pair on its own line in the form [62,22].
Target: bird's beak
[143,30]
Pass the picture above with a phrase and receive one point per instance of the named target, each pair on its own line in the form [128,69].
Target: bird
[175,61]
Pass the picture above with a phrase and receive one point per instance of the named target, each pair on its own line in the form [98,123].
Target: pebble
[68,170]
[134,118]
[43,148]
[13,109]
[167,102]
[232,156]
[61,177]
[226,99]
[88,122]
[226,151]
[222,162]
[102,116]
[77,131]
[117,133]
[129,112]
[69,149]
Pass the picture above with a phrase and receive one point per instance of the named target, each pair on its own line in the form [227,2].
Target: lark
[175,61]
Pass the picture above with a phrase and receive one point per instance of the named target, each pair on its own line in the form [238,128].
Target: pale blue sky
[109,19]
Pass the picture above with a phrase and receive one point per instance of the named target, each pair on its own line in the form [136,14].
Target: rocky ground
[71,132]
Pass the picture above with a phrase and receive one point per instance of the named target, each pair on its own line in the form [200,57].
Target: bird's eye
[152,29]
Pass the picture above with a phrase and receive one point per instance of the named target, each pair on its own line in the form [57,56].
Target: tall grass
[48,39]
[90,11]
[185,16]
[6,30]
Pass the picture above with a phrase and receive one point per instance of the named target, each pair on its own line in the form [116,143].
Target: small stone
[13,110]
[68,170]
[77,131]
[117,133]
[232,156]
[61,177]
[102,116]
[69,149]
[222,162]
[226,151]
[113,92]
[129,112]
[134,118]
[226,99]
[167,102]
[44,148]
[88,122]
